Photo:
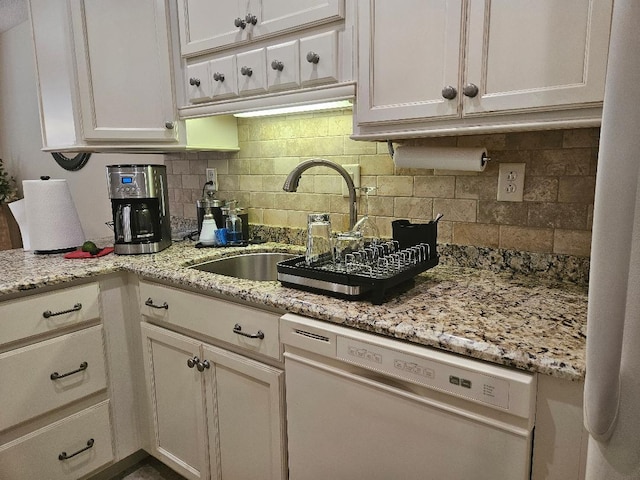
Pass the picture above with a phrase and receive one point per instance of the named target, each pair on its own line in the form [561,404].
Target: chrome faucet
[293,179]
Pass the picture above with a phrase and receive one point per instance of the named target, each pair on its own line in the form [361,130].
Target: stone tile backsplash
[555,216]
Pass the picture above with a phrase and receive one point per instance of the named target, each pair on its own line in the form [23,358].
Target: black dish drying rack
[371,272]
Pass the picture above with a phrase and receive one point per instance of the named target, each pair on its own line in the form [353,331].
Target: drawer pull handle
[149,303]
[64,456]
[246,71]
[56,375]
[313,57]
[238,329]
[49,313]
[192,362]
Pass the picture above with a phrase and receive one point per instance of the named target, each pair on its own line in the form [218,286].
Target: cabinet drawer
[28,371]
[319,59]
[198,82]
[252,75]
[37,455]
[24,318]
[282,66]
[212,317]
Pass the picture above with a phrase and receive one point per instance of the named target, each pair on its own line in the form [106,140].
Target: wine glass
[366,226]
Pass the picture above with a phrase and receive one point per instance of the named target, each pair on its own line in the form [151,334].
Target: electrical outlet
[354,172]
[511,182]
[212,176]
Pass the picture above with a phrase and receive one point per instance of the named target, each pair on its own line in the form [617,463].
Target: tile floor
[148,469]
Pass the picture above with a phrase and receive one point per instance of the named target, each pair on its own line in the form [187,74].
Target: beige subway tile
[249,149]
[297,219]
[268,129]
[526,239]
[503,213]
[571,216]
[174,181]
[577,189]
[445,231]
[303,201]
[430,142]
[273,148]
[189,210]
[307,183]
[414,172]
[251,183]
[479,188]
[572,242]
[432,186]
[380,206]
[456,210]
[243,199]
[328,184]
[395,186]
[180,167]
[191,181]
[540,189]
[284,165]
[340,125]
[384,226]
[508,156]
[478,234]
[262,200]
[261,166]
[590,217]
[338,204]
[497,141]
[197,166]
[314,127]
[221,165]
[273,183]
[240,166]
[355,147]
[276,218]
[243,132]
[581,137]
[177,210]
[228,182]
[413,208]
[534,140]
[376,165]
[256,216]
[568,161]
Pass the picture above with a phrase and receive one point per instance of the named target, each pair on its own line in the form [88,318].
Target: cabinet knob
[168,126]
[449,92]
[470,90]
[240,23]
[218,77]
[202,365]
[149,301]
[246,71]
[194,81]
[252,19]
[277,65]
[313,57]
[192,362]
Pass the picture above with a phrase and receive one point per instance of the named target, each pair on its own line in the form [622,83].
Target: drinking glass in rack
[366,226]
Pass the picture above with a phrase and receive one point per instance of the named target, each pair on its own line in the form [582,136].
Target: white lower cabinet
[215,414]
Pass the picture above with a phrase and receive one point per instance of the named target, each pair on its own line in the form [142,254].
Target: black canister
[213,205]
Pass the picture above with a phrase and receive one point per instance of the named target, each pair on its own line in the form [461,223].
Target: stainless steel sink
[261,266]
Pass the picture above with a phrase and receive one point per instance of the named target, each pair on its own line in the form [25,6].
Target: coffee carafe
[140,208]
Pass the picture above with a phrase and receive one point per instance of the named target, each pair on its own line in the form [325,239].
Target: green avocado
[90,247]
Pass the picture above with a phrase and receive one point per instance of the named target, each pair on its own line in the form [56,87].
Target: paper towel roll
[18,210]
[441,158]
[52,220]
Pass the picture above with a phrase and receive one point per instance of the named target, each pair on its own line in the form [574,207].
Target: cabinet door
[252,75]
[282,66]
[207,25]
[249,417]
[536,53]
[282,15]
[199,82]
[223,74]
[407,53]
[176,396]
[124,71]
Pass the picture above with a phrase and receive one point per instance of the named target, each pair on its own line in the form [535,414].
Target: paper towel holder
[392,151]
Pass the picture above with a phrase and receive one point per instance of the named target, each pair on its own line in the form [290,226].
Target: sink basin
[261,266]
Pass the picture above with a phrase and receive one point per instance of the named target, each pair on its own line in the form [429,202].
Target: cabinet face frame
[153,74]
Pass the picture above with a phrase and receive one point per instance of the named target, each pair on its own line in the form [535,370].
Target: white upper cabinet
[106,79]
[536,53]
[207,25]
[132,103]
[435,67]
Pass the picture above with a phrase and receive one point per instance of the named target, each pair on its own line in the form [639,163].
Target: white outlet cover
[354,172]
[212,175]
[511,182]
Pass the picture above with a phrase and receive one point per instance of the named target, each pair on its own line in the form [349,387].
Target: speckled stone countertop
[509,319]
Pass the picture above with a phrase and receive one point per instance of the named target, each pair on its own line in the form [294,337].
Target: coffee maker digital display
[140,208]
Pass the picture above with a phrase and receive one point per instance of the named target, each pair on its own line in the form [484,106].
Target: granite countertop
[509,319]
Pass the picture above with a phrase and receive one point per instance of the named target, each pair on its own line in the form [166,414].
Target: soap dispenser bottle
[208,231]
[233,225]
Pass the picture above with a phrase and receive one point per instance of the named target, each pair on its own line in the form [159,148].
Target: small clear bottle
[233,225]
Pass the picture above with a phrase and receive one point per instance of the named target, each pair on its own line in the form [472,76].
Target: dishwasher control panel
[450,379]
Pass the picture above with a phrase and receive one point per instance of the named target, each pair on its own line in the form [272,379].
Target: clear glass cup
[319,245]
[345,243]
[366,226]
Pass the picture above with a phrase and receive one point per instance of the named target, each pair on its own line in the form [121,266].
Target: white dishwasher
[362,406]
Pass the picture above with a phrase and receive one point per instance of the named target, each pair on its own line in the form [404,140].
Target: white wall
[21,141]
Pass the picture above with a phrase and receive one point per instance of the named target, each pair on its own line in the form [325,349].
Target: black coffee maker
[140,208]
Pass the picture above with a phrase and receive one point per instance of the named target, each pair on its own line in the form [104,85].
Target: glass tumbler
[319,247]
[345,243]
